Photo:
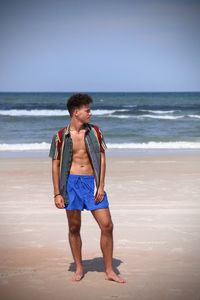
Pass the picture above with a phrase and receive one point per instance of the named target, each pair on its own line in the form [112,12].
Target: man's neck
[74,126]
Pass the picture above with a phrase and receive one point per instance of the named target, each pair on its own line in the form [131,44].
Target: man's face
[83,113]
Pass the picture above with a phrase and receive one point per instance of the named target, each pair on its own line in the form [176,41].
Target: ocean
[128,120]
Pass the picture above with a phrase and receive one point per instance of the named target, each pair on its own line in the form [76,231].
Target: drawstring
[80,181]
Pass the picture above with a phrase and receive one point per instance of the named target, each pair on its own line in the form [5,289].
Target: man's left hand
[99,194]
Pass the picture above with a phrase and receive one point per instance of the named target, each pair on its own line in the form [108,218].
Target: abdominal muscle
[81,164]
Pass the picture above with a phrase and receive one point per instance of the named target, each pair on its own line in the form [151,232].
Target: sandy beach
[155,207]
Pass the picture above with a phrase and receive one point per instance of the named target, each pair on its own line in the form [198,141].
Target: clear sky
[106,45]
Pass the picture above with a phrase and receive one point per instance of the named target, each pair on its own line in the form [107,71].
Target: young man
[78,163]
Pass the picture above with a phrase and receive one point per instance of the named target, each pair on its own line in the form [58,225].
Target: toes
[115,277]
[77,277]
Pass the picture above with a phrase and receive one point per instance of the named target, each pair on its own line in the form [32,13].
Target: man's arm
[59,201]
[100,191]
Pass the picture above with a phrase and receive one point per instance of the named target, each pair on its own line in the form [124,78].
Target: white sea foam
[156,145]
[98,112]
[167,117]
[194,116]
[120,116]
[24,147]
[159,111]
[33,112]
[149,145]
[52,112]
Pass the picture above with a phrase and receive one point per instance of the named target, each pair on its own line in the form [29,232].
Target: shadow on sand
[96,265]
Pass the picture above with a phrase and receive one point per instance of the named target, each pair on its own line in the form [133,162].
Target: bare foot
[114,277]
[77,276]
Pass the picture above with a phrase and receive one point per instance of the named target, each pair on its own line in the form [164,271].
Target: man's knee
[107,227]
[74,229]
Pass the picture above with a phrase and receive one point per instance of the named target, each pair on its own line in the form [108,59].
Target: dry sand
[155,207]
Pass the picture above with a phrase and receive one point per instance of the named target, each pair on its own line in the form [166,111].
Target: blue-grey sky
[107,45]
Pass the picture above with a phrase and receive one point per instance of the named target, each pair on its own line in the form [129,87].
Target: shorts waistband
[81,175]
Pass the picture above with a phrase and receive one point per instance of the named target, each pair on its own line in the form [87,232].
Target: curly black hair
[77,100]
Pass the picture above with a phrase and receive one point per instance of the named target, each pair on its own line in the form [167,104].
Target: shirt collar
[87,126]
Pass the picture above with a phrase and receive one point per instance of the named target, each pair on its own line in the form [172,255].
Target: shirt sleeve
[54,151]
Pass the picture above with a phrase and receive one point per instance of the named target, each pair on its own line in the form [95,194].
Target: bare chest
[78,141]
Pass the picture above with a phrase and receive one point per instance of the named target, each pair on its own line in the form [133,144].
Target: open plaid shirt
[61,149]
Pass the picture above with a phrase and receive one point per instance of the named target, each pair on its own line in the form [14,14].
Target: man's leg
[74,222]
[103,218]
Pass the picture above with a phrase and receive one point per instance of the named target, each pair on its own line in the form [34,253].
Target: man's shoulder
[95,127]
[98,134]
[60,132]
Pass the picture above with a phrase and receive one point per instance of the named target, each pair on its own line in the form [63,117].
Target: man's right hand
[59,201]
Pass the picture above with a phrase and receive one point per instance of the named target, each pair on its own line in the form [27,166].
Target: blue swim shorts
[80,192]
